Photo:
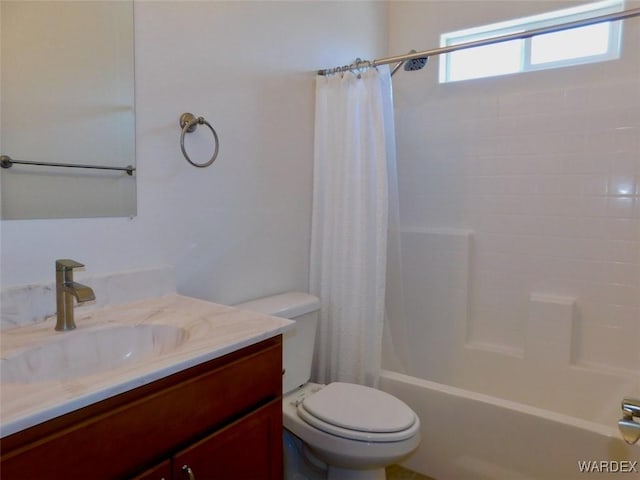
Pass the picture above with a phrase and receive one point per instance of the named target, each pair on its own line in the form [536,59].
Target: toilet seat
[357,412]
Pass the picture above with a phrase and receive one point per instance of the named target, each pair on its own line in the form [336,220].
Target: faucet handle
[64,264]
[631,407]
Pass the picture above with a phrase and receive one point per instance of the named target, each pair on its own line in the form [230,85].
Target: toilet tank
[298,343]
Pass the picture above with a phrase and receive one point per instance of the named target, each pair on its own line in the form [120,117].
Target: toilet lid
[356,407]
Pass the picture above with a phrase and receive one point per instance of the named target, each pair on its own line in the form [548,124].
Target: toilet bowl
[352,431]
[374,437]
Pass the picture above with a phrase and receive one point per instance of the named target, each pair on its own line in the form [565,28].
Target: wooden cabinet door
[248,449]
[159,472]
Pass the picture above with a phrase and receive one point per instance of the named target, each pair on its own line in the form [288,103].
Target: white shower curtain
[354,148]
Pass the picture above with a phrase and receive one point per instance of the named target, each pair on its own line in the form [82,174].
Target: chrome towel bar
[7,162]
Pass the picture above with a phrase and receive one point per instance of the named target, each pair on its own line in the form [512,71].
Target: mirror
[67,97]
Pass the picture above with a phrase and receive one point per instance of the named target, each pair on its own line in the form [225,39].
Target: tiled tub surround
[549,181]
[212,331]
[519,294]
[543,170]
[438,341]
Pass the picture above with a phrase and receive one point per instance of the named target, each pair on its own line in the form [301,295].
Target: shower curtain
[354,160]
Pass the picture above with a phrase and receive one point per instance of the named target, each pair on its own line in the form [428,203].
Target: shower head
[415,64]
[411,65]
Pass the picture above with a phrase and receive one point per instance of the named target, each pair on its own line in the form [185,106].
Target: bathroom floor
[396,472]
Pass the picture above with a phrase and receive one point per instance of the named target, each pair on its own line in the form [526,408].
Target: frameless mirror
[67,97]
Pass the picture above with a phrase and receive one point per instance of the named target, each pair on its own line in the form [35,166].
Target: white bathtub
[471,436]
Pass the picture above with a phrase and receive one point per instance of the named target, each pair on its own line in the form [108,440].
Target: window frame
[547,19]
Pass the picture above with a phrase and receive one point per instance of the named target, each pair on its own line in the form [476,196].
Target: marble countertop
[212,330]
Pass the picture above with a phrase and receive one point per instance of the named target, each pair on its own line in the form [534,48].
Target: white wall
[544,169]
[239,228]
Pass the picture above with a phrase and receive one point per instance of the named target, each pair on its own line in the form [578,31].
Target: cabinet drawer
[159,472]
[248,449]
[122,436]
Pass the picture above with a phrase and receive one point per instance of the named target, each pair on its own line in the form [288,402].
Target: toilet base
[337,473]
[299,463]
[302,464]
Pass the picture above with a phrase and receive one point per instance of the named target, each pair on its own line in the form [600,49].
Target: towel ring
[189,122]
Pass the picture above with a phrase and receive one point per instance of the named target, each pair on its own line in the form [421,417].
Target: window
[593,43]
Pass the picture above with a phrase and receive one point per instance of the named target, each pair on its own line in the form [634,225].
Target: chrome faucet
[66,289]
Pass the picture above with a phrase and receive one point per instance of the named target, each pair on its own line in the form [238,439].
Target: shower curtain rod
[633,12]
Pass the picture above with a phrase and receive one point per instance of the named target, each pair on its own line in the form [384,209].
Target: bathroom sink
[80,353]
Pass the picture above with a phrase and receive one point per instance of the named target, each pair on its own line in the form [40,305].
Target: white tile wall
[553,202]
[545,169]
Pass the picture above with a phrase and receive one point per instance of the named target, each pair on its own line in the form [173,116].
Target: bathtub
[472,436]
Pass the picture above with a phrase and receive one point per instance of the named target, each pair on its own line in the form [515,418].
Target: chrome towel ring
[189,122]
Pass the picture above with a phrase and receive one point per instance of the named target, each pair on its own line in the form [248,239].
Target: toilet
[339,431]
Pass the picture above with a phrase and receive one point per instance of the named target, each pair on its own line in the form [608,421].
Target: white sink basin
[80,353]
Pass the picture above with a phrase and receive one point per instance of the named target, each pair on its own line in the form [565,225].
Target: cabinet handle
[186,469]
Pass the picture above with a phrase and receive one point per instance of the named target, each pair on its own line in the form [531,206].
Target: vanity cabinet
[244,450]
[159,472]
[219,420]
